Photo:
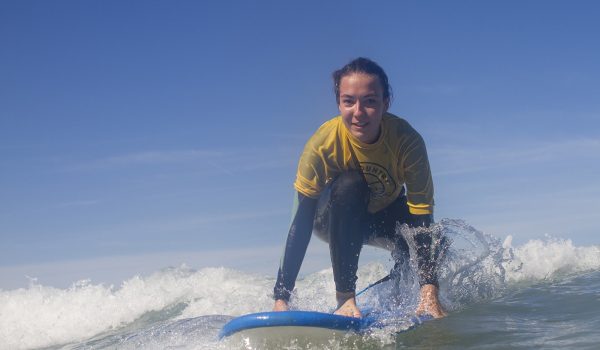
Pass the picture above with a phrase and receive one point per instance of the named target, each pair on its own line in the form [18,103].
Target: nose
[359,109]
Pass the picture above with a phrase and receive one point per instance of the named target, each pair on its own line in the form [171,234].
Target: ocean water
[544,294]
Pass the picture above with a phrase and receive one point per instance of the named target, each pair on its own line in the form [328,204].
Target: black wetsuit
[340,216]
[351,193]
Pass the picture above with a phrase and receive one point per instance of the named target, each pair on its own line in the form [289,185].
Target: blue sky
[172,129]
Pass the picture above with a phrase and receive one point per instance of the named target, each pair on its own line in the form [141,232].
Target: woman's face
[362,105]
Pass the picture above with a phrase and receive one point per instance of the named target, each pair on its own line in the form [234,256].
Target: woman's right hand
[281,305]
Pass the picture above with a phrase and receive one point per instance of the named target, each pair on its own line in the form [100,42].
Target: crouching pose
[360,174]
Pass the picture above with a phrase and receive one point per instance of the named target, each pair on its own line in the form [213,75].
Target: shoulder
[327,132]
[397,124]
[399,127]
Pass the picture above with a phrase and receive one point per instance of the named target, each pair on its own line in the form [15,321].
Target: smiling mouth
[360,125]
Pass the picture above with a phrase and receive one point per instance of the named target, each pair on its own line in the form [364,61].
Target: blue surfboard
[296,319]
[313,326]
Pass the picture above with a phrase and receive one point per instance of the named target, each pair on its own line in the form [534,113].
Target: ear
[386,104]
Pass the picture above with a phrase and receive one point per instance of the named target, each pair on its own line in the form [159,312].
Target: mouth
[361,125]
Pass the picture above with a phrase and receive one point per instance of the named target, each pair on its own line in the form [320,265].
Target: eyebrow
[369,95]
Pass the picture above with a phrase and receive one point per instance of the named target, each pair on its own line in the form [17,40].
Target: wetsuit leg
[382,232]
[343,221]
[382,228]
[340,220]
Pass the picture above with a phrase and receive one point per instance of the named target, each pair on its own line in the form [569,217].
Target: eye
[347,102]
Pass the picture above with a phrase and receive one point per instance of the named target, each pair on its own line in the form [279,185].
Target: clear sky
[166,128]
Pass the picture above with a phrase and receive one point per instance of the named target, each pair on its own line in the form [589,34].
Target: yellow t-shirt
[398,158]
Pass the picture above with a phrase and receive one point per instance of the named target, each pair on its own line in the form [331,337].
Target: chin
[363,137]
[358,135]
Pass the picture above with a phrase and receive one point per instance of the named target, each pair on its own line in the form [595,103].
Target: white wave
[548,259]
[41,316]
[477,266]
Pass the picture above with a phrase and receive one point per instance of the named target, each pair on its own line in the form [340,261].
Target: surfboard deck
[296,319]
[301,326]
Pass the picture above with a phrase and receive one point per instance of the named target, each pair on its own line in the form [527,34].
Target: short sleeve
[417,175]
[311,175]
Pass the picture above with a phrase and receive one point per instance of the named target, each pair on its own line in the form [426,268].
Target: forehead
[360,84]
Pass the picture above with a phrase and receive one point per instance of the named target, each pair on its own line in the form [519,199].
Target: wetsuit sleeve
[427,249]
[295,246]
[421,220]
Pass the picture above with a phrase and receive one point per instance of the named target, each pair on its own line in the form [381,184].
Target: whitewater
[542,294]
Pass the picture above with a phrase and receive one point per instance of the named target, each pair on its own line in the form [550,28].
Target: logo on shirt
[380,182]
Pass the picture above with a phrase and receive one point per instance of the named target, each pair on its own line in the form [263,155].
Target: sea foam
[41,316]
[476,267]
[549,259]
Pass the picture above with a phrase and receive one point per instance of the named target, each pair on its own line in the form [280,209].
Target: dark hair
[365,66]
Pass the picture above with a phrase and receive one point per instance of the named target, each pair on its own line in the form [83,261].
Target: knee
[350,186]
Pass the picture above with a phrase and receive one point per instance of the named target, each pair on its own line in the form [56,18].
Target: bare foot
[429,303]
[347,305]
[280,305]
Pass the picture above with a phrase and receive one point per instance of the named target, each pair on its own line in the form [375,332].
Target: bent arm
[295,246]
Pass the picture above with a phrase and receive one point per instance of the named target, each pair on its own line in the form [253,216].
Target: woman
[351,185]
